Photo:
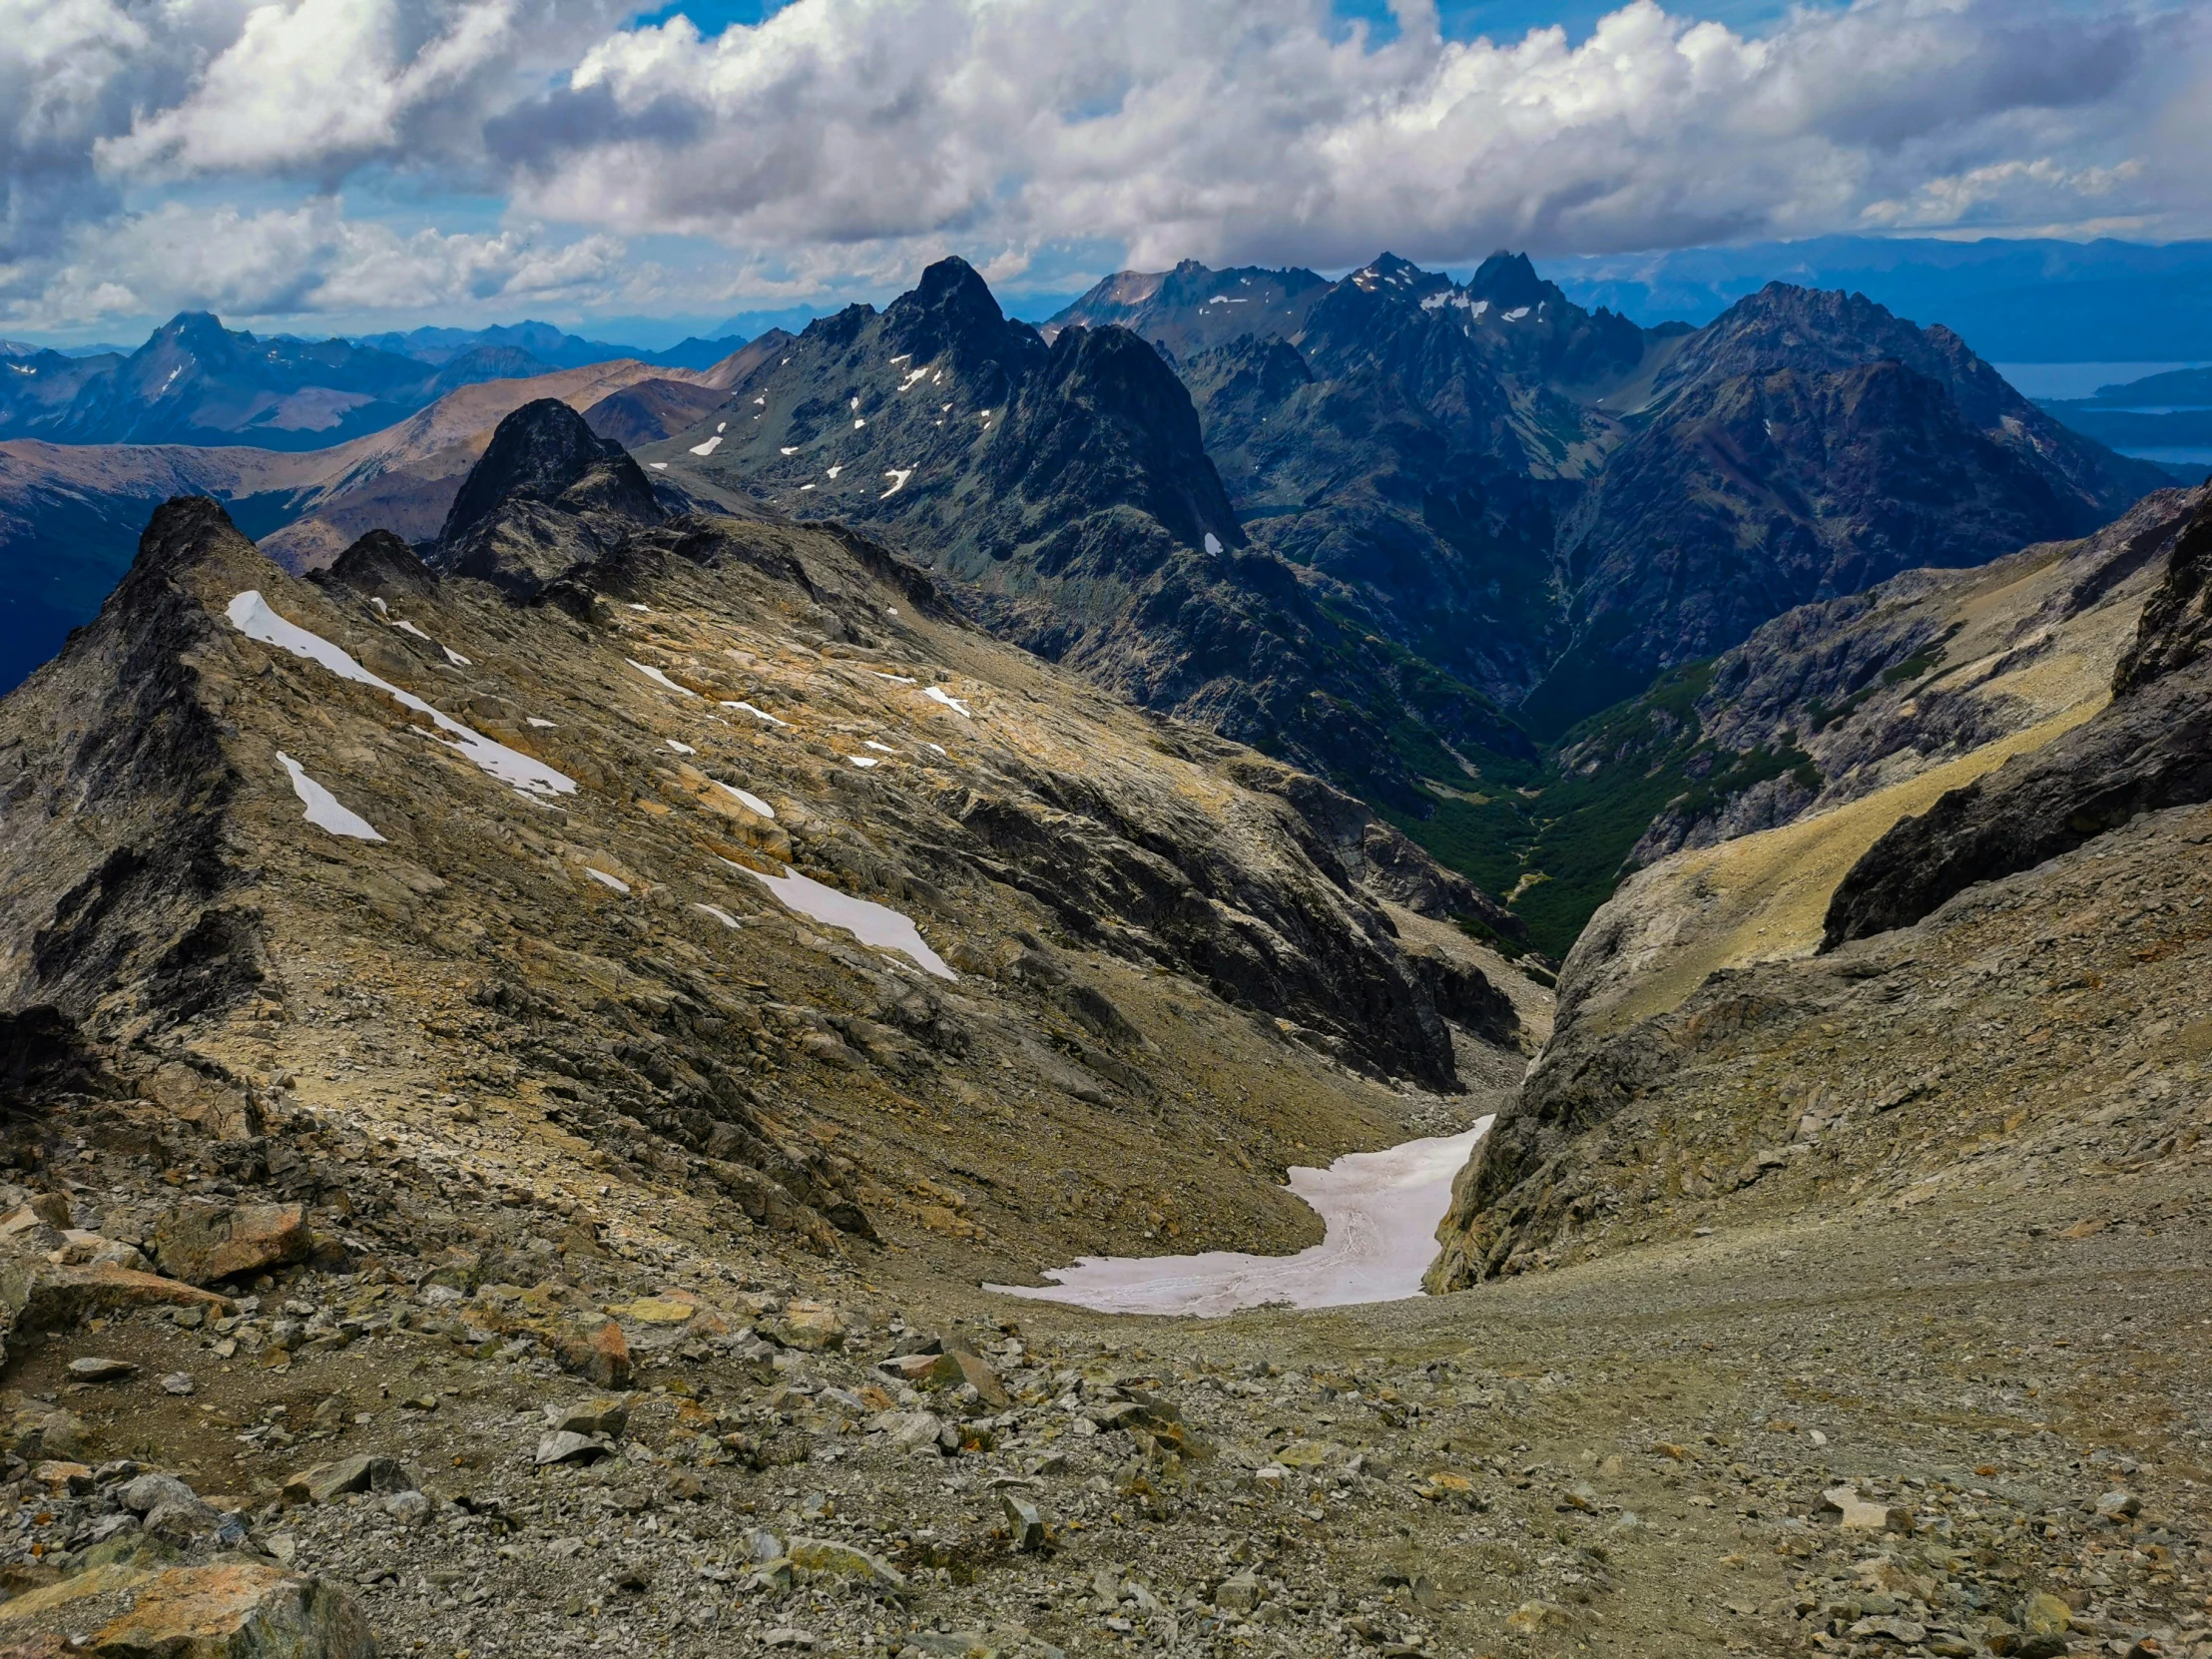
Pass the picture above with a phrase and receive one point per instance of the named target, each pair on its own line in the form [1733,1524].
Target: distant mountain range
[2016,300]
[550,347]
[195,381]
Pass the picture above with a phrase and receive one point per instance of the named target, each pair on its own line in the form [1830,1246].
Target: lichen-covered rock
[203,1243]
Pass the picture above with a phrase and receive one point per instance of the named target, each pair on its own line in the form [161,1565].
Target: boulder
[243,1610]
[205,1243]
[37,1294]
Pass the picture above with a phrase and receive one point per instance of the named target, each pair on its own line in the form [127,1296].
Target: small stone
[149,1491]
[1238,1593]
[788,1636]
[1861,1515]
[204,1242]
[686,1488]
[100,1368]
[409,1508]
[565,1445]
[823,1555]
[2045,1615]
[1025,1524]
[600,1415]
[2118,1505]
[177,1383]
[61,1475]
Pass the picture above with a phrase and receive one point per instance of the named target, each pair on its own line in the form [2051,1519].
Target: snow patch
[1517,314]
[323,811]
[898,477]
[719,914]
[1380,1209]
[251,615]
[659,466]
[884,747]
[792,450]
[709,447]
[746,798]
[900,678]
[863,762]
[938,693]
[606,880]
[455,658]
[680,748]
[542,725]
[757,714]
[409,627]
[659,679]
[1213,543]
[834,471]
[865,921]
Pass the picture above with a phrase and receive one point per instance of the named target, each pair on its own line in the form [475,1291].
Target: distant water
[1380,1209]
[2078,379]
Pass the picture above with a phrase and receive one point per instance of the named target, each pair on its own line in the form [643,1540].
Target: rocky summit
[579,1068]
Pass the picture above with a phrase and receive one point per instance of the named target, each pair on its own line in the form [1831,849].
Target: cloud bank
[852,140]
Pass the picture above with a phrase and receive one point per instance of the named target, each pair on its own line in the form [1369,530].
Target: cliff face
[2148,749]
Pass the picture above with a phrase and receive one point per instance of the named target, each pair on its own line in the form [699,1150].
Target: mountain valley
[555,951]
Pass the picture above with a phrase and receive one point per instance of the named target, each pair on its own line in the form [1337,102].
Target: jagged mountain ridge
[1067,487]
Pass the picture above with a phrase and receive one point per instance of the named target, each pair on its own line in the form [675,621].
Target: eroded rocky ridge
[1138,937]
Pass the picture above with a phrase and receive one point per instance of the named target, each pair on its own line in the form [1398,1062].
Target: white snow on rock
[455,658]
[659,466]
[746,798]
[864,920]
[1213,543]
[1517,314]
[834,471]
[407,627]
[709,447]
[938,693]
[680,748]
[1380,1211]
[863,762]
[542,725]
[722,426]
[912,377]
[757,714]
[902,679]
[792,450]
[323,811]
[659,679]
[898,476]
[719,914]
[606,880]
[251,615]
[859,422]
[884,747]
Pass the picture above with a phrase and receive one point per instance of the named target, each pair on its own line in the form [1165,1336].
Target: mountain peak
[540,453]
[1507,279]
[953,285]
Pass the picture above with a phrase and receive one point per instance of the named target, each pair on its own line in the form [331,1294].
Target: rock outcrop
[2149,749]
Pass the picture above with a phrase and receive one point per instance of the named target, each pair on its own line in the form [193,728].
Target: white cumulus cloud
[845,140]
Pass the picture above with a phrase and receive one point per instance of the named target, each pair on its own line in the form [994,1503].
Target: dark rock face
[1805,446]
[119,809]
[548,494]
[1067,491]
[2150,748]
[380,563]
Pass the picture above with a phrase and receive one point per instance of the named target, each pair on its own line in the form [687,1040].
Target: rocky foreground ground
[1892,1433]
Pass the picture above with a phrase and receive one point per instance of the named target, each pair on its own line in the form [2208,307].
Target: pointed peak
[954,285]
[1507,279]
[1388,273]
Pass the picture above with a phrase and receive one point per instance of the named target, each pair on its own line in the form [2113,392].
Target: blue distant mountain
[549,345]
[2012,301]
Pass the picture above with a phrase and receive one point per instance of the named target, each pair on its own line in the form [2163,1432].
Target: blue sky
[394,161]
